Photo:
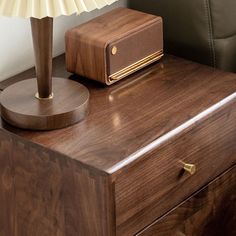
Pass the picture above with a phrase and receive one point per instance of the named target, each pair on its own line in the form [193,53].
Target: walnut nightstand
[155,156]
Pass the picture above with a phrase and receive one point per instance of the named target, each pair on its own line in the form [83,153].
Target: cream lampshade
[58,102]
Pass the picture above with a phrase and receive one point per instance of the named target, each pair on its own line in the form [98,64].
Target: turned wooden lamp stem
[42,34]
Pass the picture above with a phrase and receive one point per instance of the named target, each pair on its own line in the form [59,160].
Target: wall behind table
[16,49]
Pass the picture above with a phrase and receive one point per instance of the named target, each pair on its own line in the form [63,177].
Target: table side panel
[44,193]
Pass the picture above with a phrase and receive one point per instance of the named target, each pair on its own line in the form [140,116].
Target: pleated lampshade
[51,8]
[44,102]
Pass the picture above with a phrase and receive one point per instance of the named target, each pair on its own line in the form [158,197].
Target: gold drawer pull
[190,168]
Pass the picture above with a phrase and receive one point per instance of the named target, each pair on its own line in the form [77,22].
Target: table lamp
[45,103]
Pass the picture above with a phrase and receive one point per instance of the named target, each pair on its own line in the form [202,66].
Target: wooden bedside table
[121,171]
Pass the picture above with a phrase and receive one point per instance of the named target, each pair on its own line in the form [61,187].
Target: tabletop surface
[135,113]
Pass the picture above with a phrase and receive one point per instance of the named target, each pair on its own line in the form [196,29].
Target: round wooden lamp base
[20,107]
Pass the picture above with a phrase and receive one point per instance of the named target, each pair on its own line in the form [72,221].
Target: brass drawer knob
[190,168]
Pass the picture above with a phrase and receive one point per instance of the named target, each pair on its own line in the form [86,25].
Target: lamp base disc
[20,107]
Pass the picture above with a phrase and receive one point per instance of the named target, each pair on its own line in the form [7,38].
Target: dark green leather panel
[225,50]
[186,28]
[223,17]
[199,30]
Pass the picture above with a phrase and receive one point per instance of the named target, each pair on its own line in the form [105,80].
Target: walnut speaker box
[114,45]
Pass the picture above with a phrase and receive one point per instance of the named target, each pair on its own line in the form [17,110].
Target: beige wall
[16,53]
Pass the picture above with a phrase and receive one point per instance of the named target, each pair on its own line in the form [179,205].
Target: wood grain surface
[44,108]
[148,187]
[20,107]
[211,211]
[87,44]
[43,193]
[131,114]
[42,34]
[117,171]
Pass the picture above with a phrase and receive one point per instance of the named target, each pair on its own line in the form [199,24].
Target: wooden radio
[114,45]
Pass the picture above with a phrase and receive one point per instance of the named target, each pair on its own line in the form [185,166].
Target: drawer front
[153,184]
[211,211]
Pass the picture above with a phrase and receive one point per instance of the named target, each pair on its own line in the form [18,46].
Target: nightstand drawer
[157,182]
[211,211]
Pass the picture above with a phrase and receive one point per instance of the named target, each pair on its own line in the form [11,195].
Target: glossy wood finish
[135,134]
[145,189]
[129,115]
[20,108]
[42,34]
[211,211]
